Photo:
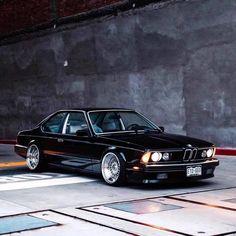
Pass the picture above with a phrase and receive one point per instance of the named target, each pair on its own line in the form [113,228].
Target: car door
[76,141]
[51,137]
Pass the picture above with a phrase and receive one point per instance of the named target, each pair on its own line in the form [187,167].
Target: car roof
[87,109]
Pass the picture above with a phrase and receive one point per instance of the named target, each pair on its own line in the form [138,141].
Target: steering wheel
[132,126]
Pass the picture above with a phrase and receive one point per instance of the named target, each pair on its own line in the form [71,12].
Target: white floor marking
[23,177]
[43,183]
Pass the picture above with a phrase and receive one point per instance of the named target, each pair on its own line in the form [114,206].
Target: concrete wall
[173,62]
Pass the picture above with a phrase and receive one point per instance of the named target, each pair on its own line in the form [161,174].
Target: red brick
[20,14]
[23,14]
[71,7]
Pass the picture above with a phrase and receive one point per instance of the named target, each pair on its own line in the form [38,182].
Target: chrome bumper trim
[184,164]
[20,146]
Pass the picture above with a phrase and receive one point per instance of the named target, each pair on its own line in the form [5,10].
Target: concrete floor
[85,205]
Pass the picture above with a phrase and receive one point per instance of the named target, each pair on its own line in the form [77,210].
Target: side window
[111,122]
[74,122]
[54,124]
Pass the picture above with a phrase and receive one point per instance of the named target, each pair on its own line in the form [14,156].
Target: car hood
[157,141]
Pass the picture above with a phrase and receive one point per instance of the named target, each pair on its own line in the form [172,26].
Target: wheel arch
[42,163]
[37,143]
[116,150]
[33,141]
[113,176]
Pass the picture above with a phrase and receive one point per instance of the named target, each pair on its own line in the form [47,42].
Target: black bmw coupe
[120,144]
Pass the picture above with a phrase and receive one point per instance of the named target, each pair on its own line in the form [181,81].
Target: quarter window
[55,123]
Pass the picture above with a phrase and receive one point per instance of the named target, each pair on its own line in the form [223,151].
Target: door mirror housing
[82,132]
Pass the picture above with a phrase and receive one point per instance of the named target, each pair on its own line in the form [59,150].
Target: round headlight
[166,156]
[204,153]
[209,152]
[156,156]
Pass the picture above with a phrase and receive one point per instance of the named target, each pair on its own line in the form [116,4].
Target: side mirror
[162,128]
[83,132]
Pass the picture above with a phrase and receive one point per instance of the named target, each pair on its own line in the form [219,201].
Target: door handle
[60,140]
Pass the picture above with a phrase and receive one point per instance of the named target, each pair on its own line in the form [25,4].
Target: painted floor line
[93,222]
[31,176]
[137,222]
[201,203]
[12,164]
[153,197]
[44,183]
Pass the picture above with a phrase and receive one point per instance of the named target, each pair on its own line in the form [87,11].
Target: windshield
[116,121]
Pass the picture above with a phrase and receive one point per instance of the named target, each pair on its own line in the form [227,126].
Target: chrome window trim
[122,124]
[113,132]
[65,123]
[47,118]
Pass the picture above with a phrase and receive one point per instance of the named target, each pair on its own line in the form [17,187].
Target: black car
[120,144]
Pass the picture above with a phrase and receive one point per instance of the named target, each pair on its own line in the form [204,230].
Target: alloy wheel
[32,157]
[110,168]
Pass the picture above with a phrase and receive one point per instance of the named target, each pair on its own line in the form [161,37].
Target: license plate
[194,171]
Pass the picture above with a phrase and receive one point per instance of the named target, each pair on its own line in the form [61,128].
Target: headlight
[204,153]
[210,152]
[156,156]
[166,156]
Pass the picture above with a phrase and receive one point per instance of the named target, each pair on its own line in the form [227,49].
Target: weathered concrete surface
[67,197]
[174,63]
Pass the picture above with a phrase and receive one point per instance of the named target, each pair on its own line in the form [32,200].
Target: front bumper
[171,172]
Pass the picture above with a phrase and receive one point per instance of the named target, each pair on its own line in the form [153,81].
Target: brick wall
[23,14]
[72,7]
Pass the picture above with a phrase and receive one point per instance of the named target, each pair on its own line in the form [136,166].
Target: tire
[113,169]
[34,158]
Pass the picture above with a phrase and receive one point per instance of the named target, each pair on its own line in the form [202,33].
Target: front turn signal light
[145,158]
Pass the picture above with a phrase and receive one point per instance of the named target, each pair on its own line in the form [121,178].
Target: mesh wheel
[113,168]
[34,158]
